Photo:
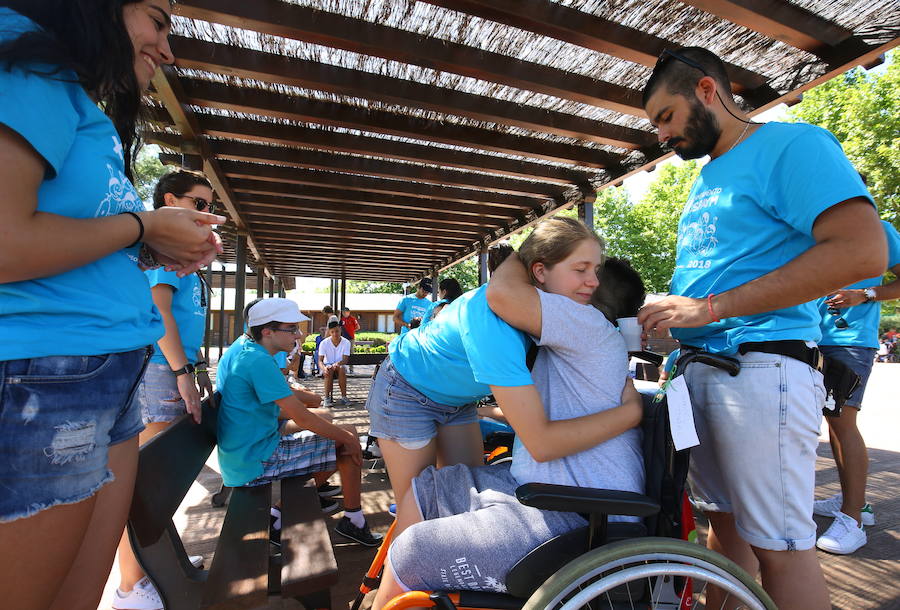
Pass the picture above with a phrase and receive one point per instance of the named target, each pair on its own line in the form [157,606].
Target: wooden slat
[309,564]
[270,103]
[591,32]
[341,32]
[239,575]
[272,68]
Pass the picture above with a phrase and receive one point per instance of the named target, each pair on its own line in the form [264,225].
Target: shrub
[309,346]
[888,322]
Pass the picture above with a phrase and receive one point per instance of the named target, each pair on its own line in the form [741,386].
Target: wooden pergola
[386,140]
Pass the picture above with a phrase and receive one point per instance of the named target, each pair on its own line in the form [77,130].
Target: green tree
[862,110]
[465,272]
[646,232]
[147,170]
[367,287]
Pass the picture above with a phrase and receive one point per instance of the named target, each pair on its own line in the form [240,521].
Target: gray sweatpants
[474,530]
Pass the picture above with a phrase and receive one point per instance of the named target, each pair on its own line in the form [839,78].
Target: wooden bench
[246,568]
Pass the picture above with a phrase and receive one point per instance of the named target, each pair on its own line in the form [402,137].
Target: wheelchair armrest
[585,500]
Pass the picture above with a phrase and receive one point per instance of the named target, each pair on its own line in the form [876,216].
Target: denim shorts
[58,417]
[158,395]
[758,435]
[860,360]
[399,412]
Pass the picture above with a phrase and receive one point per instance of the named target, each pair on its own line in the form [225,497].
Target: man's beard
[701,133]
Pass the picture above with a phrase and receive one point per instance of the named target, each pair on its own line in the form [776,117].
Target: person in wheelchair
[461,527]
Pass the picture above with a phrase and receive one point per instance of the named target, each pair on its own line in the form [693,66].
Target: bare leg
[723,538]
[130,571]
[351,475]
[405,464]
[342,381]
[33,579]
[852,459]
[407,514]
[794,579]
[329,383]
[83,586]
[460,445]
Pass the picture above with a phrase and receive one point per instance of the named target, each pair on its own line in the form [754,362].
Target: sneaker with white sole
[327,491]
[328,402]
[142,597]
[363,535]
[344,401]
[196,561]
[829,506]
[843,537]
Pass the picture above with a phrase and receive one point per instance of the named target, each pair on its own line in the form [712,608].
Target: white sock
[356,517]
[275,512]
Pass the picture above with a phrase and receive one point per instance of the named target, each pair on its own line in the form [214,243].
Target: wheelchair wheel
[657,573]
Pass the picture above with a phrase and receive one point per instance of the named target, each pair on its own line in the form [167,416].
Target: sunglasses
[200,203]
[839,321]
[293,331]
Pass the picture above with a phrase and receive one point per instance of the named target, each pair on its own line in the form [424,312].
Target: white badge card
[681,415]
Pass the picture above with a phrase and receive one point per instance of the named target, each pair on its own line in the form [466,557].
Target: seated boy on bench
[254,448]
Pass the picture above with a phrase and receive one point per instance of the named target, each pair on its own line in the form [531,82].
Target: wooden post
[586,214]
[222,329]
[207,334]
[343,296]
[434,285]
[271,287]
[482,266]
[240,283]
[260,281]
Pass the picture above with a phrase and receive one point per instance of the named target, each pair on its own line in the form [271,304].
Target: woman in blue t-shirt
[76,315]
[422,404]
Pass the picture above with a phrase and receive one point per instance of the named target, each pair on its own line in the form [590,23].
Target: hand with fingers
[181,239]
[676,312]
[190,395]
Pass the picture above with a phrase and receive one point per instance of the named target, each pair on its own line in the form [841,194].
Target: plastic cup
[631,332]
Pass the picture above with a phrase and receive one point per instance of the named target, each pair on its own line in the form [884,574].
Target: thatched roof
[387,139]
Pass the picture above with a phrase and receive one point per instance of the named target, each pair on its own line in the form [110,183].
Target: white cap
[274,310]
[332,319]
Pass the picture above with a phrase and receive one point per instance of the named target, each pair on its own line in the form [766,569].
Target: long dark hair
[89,38]
[177,182]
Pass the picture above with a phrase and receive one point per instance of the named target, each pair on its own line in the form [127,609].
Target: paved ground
[869,579]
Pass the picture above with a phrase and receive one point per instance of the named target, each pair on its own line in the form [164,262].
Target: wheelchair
[654,563]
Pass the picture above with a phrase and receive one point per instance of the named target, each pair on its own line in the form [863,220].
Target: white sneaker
[829,506]
[196,561]
[344,401]
[843,537]
[328,402]
[142,597]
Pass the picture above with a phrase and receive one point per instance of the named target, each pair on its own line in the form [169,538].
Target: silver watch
[870,294]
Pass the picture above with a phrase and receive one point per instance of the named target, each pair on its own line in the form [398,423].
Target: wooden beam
[168,88]
[274,173]
[273,68]
[274,234]
[334,162]
[326,218]
[308,137]
[341,32]
[404,202]
[310,245]
[783,21]
[279,105]
[387,211]
[591,32]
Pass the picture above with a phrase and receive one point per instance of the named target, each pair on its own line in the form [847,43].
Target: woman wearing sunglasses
[176,378]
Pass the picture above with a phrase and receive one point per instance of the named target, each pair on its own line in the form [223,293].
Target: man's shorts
[158,395]
[299,454]
[758,437]
[59,415]
[474,530]
[400,412]
[860,360]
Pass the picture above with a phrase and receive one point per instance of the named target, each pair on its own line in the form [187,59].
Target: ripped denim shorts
[58,417]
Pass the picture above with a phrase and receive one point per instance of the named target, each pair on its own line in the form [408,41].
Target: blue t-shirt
[429,315]
[466,349]
[863,319]
[413,307]
[187,309]
[751,211]
[101,307]
[250,383]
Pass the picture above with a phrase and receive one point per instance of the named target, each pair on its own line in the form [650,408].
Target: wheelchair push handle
[730,365]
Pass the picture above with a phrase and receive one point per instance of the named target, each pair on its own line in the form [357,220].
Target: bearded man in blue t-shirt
[776,219]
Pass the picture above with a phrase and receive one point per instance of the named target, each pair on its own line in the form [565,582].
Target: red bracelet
[712,312]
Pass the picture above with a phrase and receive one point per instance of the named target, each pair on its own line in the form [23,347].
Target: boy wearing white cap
[253,447]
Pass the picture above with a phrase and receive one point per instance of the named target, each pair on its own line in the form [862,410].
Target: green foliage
[369,349]
[147,170]
[308,346]
[367,287]
[862,110]
[465,272]
[888,322]
[375,337]
[646,232]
